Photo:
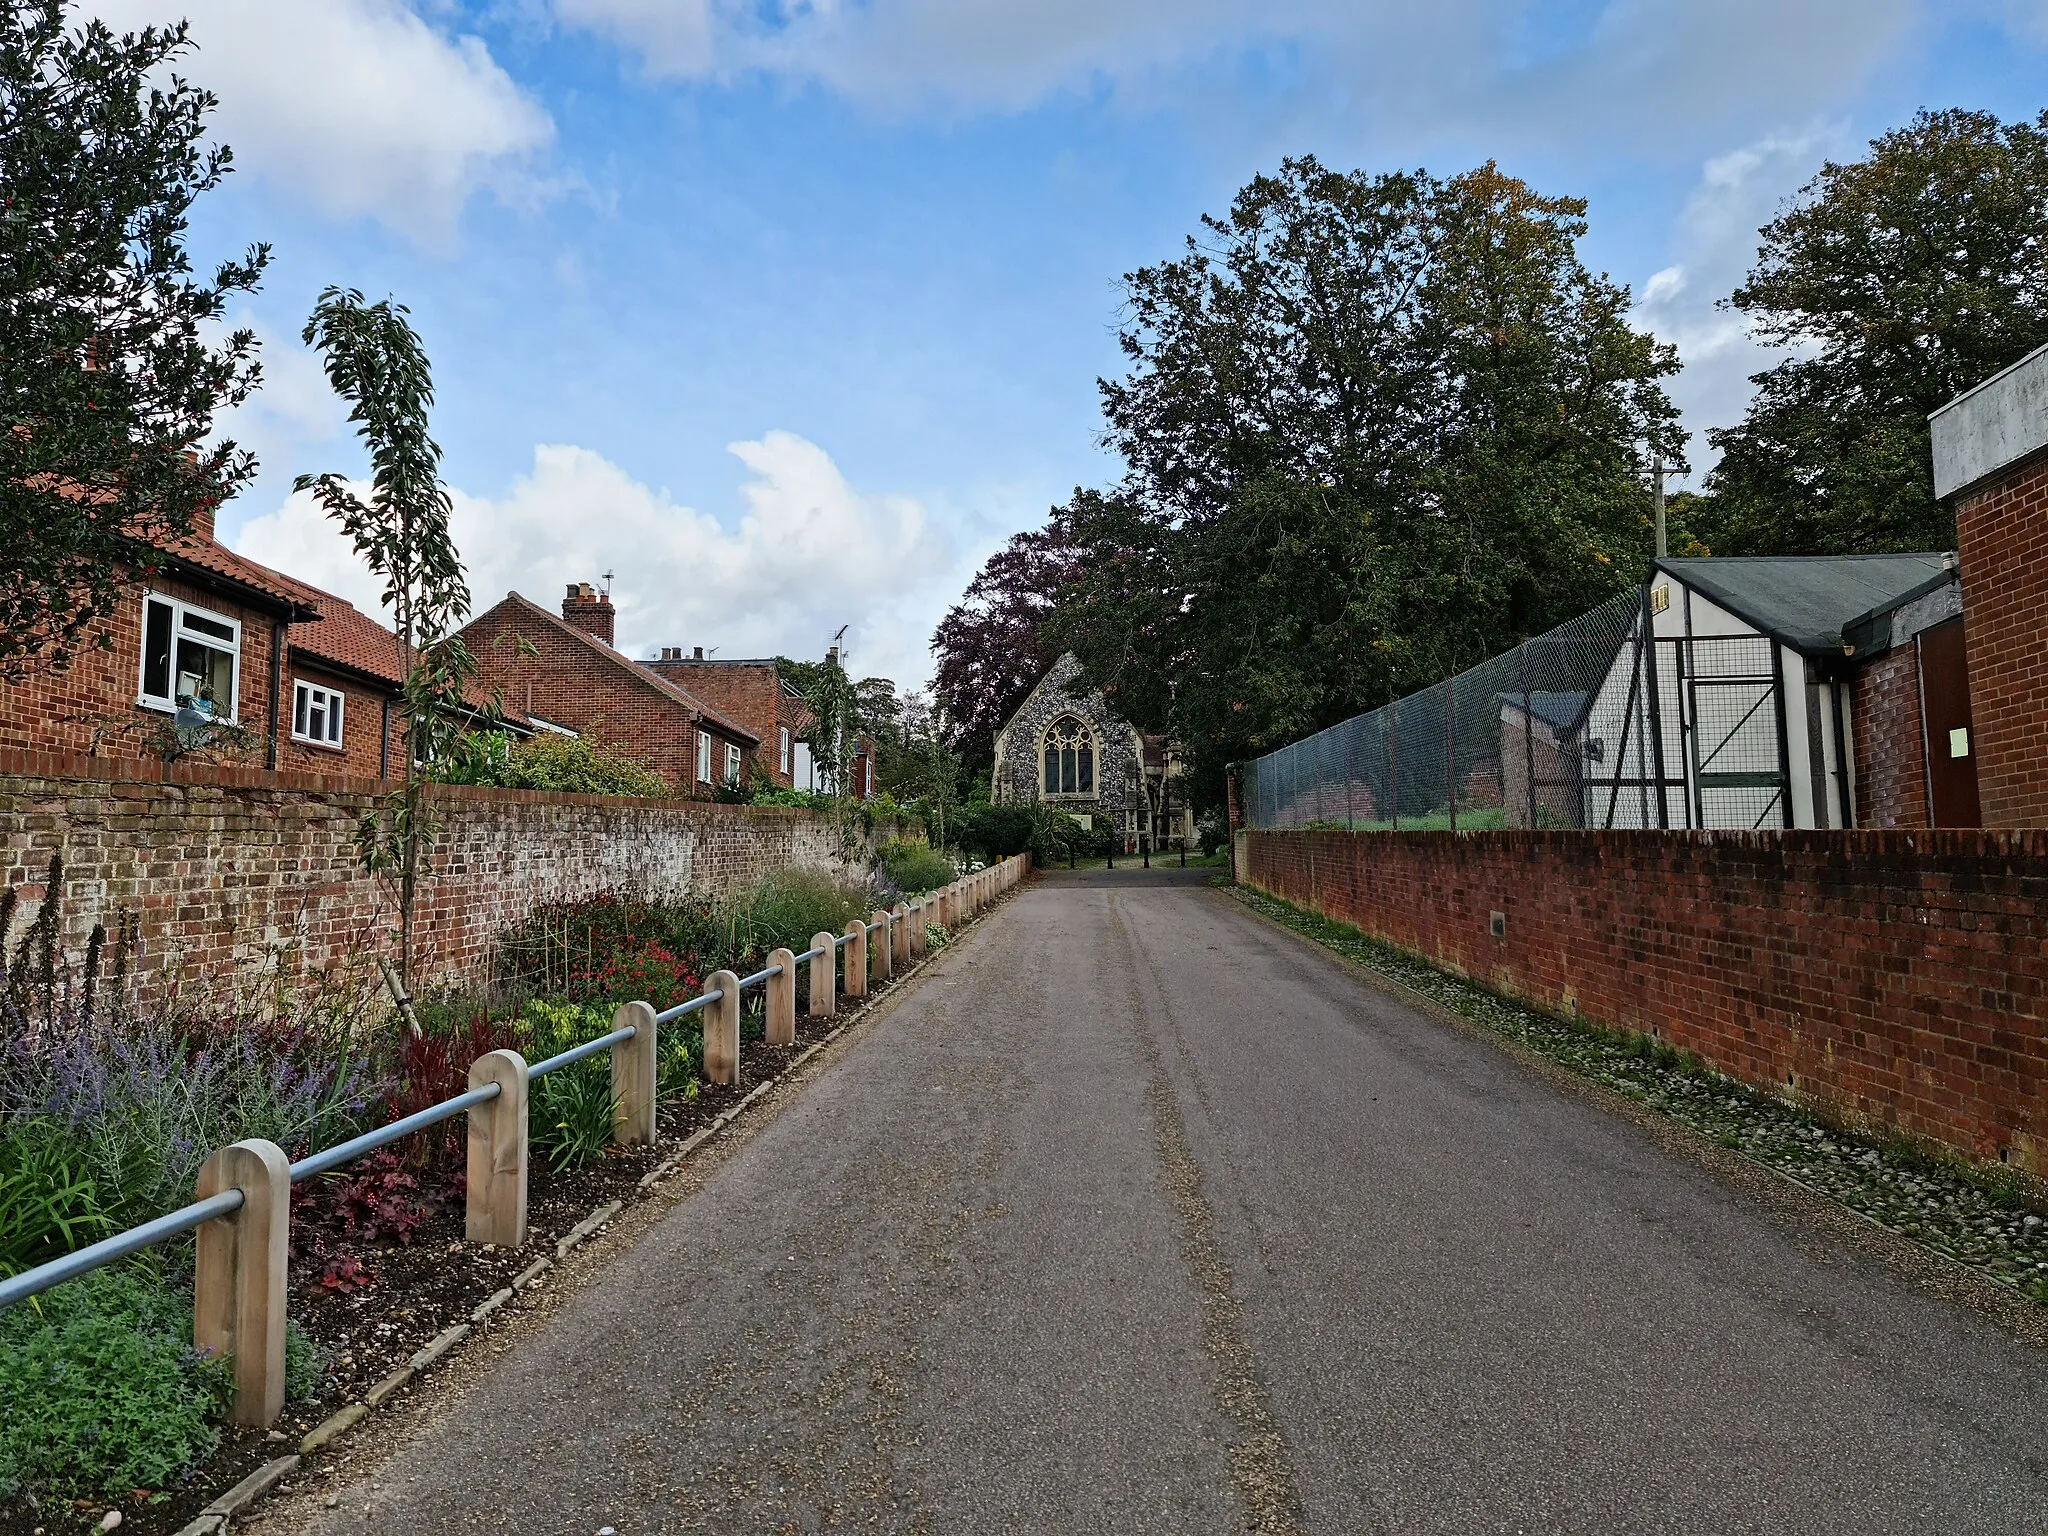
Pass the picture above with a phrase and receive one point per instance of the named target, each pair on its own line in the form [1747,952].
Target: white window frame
[703,757]
[734,761]
[785,750]
[333,700]
[168,702]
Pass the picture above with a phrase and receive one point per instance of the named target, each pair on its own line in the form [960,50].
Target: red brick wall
[89,707]
[240,872]
[1891,767]
[605,698]
[1895,978]
[2002,541]
[362,727]
[748,695]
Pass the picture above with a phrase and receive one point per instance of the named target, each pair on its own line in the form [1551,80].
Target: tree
[833,704]
[1376,428]
[989,646]
[374,361]
[1902,280]
[108,388]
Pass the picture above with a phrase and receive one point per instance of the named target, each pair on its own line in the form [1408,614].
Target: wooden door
[1945,710]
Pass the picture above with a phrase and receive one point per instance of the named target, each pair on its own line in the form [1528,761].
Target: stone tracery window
[1069,758]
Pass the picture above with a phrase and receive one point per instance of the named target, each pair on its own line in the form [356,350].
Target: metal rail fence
[243,1213]
[1599,723]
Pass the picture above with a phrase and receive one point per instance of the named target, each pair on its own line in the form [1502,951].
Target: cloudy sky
[788,311]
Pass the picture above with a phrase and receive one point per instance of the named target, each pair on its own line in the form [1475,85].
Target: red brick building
[563,671]
[751,693]
[1991,458]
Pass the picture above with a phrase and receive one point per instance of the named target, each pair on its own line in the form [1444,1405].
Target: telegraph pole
[1663,548]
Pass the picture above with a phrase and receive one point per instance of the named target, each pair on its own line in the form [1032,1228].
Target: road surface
[1137,1215]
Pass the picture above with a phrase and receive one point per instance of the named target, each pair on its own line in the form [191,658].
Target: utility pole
[1663,547]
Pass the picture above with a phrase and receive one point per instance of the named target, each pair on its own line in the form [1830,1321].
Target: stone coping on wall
[16,763]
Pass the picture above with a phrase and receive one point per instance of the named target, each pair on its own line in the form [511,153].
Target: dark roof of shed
[1804,601]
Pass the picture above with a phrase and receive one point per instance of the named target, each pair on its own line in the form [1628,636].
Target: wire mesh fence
[1599,723]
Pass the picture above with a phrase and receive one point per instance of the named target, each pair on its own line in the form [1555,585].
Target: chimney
[589,610]
[698,655]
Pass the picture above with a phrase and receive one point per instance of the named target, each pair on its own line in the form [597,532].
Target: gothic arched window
[1069,758]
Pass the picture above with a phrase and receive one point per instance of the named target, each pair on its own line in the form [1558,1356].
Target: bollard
[918,918]
[238,1278]
[899,932]
[722,1028]
[882,955]
[782,999]
[633,1074]
[824,976]
[856,959]
[496,1211]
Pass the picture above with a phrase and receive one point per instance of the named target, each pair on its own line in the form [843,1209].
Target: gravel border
[1972,1235]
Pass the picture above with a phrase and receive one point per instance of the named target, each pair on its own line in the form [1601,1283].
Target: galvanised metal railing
[259,1386]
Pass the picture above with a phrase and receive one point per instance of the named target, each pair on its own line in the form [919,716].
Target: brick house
[753,694]
[562,671]
[313,683]
[1991,460]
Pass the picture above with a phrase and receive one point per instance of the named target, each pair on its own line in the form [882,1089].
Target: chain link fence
[1599,723]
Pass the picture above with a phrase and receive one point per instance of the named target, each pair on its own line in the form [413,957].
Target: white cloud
[1652,69]
[359,107]
[1737,193]
[808,554]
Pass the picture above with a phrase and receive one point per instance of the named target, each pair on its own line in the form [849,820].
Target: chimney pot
[589,610]
[698,655]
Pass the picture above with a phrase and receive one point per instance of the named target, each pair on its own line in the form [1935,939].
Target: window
[316,714]
[1069,758]
[703,757]
[188,656]
[732,763]
[785,749]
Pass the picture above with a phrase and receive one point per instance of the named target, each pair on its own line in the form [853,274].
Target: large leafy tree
[108,383]
[990,646]
[1900,280]
[1377,427]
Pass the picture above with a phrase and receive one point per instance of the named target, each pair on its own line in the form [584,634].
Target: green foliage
[1901,280]
[833,704]
[305,1364]
[769,793]
[571,1114]
[915,867]
[100,1391]
[374,360]
[569,765]
[1375,425]
[782,910]
[105,361]
[49,1203]
[1050,836]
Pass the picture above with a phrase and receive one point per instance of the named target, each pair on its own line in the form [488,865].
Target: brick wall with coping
[246,870]
[1891,763]
[2002,544]
[1896,979]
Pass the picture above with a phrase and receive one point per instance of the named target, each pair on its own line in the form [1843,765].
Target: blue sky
[788,311]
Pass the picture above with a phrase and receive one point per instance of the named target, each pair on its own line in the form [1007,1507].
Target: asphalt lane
[1137,1215]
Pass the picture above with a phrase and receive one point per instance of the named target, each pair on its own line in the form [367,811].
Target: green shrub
[916,867]
[569,765]
[100,1390]
[782,911]
[571,1110]
[49,1204]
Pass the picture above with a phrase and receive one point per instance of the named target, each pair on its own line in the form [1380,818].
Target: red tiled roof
[349,637]
[661,684]
[218,560]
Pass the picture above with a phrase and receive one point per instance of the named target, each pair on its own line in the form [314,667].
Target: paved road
[1139,1217]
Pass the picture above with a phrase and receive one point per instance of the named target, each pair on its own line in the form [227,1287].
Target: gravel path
[1137,1215]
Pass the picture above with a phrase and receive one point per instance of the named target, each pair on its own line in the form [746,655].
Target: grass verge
[1976,1217]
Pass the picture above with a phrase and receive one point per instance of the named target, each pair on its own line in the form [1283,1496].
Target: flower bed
[113,1092]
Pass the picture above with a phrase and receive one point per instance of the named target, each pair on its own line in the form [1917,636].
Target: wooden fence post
[634,1067]
[238,1280]
[722,1028]
[899,931]
[856,958]
[496,1211]
[782,999]
[883,954]
[824,1001]
[917,921]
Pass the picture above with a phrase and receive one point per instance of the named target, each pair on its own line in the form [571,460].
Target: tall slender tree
[375,361]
